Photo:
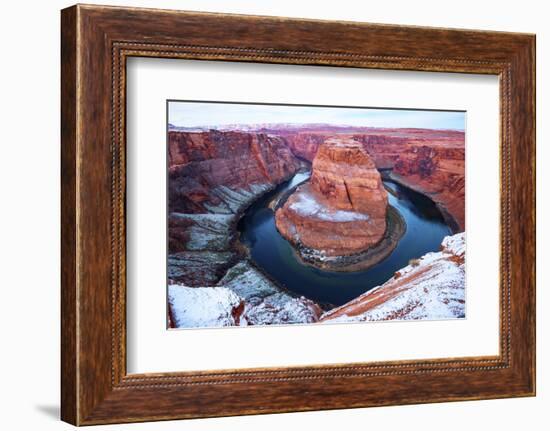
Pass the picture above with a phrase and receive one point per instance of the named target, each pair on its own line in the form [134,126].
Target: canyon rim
[297,214]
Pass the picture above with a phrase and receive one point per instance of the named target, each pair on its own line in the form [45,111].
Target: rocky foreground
[244,296]
[342,209]
[431,287]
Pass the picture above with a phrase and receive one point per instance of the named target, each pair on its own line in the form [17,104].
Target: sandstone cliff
[209,171]
[346,176]
[438,173]
[432,287]
[342,210]
[213,177]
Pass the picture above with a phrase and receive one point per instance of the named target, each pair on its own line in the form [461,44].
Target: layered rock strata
[431,287]
[342,209]
[213,177]
[439,174]
[217,171]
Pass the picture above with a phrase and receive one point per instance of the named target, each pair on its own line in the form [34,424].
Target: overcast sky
[194,114]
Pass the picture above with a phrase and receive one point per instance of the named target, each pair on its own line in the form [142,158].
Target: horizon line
[214,127]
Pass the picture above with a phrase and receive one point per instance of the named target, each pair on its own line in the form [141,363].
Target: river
[276,256]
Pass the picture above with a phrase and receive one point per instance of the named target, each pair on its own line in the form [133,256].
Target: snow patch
[248,282]
[307,205]
[455,244]
[281,309]
[265,303]
[196,307]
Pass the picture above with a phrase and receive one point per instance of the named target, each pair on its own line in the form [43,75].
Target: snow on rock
[198,268]
[265,303]
[455,244]
[203,307]
[232,201]
[308,205]
[243,297]
[342,210]
[201,245]
[279,309]
[429,288]
[211,232]
[310,221]
[299,178]
[247,282]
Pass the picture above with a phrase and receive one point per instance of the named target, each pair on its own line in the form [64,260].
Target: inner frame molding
[121,52]
[96,42]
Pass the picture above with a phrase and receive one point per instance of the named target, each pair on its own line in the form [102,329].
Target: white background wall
[29,216]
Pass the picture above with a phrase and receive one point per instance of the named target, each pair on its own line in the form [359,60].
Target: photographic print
[299,214]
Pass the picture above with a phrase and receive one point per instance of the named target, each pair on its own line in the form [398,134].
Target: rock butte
[342,210]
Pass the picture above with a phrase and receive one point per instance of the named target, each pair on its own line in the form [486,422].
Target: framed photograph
[264,214]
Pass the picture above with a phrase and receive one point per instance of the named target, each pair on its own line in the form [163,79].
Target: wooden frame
[96,41]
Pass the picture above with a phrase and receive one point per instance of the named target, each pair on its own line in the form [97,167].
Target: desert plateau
[314,223]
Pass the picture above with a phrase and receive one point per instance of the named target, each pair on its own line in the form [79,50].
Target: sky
[194,114]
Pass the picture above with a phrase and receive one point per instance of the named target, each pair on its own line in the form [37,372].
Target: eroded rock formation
[346,176]
[342,210]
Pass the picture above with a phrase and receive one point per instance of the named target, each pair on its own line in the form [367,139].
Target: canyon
[215,175]
[212,178]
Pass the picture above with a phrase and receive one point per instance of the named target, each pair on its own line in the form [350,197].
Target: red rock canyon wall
[203,161]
